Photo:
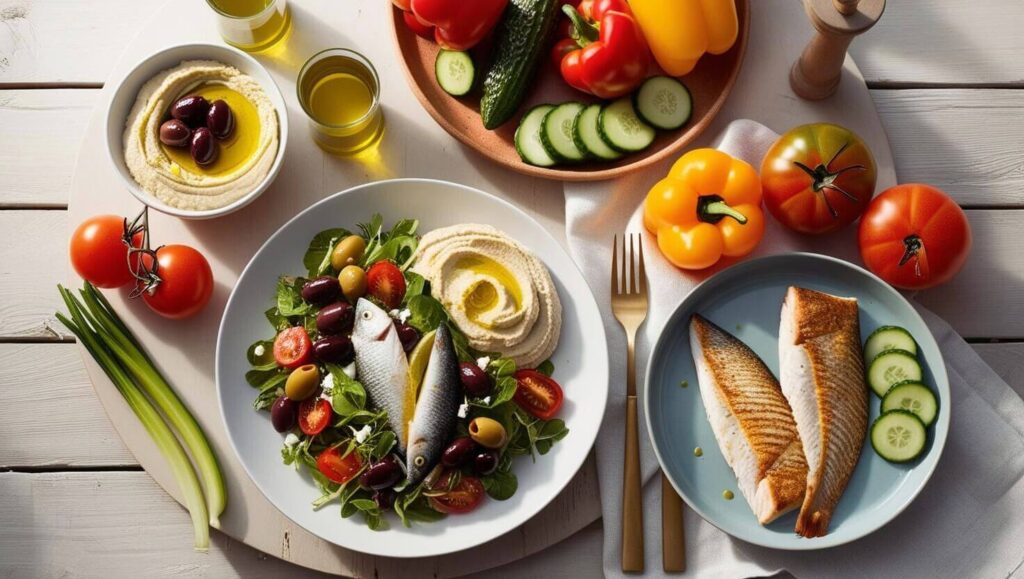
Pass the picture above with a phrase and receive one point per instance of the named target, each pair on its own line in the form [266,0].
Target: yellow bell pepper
[679,32]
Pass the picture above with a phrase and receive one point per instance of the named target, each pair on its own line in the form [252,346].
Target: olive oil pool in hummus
[339,91]
[252,25]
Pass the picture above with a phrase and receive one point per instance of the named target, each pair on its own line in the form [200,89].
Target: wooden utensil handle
[673,537]
[632,501]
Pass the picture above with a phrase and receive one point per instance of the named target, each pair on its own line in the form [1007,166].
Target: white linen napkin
[969,520]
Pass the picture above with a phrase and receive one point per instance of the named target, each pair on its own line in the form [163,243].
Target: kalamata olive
[191,110]
[302,382]
[353,282]
[335,349]
[488,432]
[385,498]
[408,335]
[458,452]
[175,133]
[335,318]
[283,413]
[485,462]
[321,291]
[220,120]
[475,381]
[204,148]
[381,475]
[348,252]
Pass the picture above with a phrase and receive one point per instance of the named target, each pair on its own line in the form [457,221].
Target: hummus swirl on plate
[245,158]
[497,292]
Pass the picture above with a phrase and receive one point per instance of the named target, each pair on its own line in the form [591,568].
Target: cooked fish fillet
[822,375]
[751,420]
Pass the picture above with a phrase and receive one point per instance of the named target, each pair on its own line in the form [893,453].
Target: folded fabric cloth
[968,521]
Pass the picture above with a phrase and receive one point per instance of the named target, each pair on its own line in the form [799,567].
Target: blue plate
[746,300]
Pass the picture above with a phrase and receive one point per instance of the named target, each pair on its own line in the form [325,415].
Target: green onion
[114,348]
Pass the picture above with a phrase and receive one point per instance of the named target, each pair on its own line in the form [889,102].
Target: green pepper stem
[583,32]
[712,209]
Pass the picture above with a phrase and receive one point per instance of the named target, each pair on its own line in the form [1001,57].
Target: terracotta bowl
[709,84]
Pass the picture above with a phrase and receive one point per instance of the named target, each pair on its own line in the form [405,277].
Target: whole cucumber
[521,38]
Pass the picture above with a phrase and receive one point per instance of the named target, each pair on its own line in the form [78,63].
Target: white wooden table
[946,78]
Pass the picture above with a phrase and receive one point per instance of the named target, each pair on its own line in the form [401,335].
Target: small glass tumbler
[252,25]
[339,90]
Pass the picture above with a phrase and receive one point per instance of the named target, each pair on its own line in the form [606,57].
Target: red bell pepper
[459,24]
[612,57]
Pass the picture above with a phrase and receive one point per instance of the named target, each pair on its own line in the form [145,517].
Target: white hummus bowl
[128,89]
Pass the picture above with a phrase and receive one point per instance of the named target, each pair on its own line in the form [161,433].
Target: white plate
[581,367]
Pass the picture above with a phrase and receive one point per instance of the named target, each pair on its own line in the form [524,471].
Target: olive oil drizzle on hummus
[482,296]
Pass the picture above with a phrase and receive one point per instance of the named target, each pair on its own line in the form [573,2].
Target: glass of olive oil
[252,25]
[340,92]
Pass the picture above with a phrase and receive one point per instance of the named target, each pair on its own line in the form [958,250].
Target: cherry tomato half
[818,178]
[99,254]
[914,236]
[464,497]
[292,348]
[538,394]
[336,467]
[314,415]
[186,282]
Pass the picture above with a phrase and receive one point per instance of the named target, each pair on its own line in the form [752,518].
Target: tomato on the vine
[818,178]
[338,468]
[180,285]
[292,347]
[537,394]
[914,236]
[463,497]
[99,253]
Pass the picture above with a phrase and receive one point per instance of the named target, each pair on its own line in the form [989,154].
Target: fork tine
[632,267]
[643,272]
[615,264]
[625,268]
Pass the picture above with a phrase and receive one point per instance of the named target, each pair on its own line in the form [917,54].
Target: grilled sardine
[382,366]
[751,421]
[822,375]
[436,409]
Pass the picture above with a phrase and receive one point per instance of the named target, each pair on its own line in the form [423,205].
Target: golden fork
[629,304]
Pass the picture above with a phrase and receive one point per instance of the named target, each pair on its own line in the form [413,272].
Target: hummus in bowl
[495,290]
[166,177]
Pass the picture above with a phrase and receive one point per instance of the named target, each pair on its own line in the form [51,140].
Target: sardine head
[372,323]
[417,462]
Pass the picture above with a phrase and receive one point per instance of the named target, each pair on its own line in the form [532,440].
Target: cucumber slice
[622,130]
[527,138]
[888,338]
[663,102]
[898,436]
[913,397]
[454,71]
[891,367]
[557,135]
[586,135]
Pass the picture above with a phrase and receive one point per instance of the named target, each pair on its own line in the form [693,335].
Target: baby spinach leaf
[414,286]
[547,368]
[289,297]
[426,313]
[500,485]
[348,396]
[317,259]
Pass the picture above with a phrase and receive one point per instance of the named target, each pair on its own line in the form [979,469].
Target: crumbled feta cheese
[350,370]
[259,350]
[400,315]
[362,434]
[463,410]
[328,382]
[486,400]
[482,363]
[291,440]
[279,391]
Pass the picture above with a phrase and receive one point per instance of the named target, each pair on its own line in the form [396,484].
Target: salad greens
[358,427]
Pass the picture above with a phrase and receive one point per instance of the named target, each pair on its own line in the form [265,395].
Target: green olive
[348,252]
[488,432]
[302,382]
[353,282]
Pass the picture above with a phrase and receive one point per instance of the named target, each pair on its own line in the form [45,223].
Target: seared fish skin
[822,375]
[751,421]
[382,366]
[437,408]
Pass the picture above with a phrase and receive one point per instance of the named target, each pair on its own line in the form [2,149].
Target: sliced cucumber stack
[888,338]
[913,397]
[663,102]
[622,129]
[898,436]
[455,72]
[528,143]
[557,133]
[588,137]
[891,367]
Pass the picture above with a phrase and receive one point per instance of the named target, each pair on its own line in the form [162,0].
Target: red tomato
[385,282]
[538,394]
[818,178]
[314,415]
[292,348]
[421,29]
[99,254]
[339,469]
[914,236]
[466,496]
[186,282]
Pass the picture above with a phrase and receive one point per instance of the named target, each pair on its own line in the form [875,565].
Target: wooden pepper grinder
[816,74]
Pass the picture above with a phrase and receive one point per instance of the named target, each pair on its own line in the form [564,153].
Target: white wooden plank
[42,132]
[33,260]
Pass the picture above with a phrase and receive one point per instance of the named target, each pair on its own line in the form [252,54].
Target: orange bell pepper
[707,207]
[679,32]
